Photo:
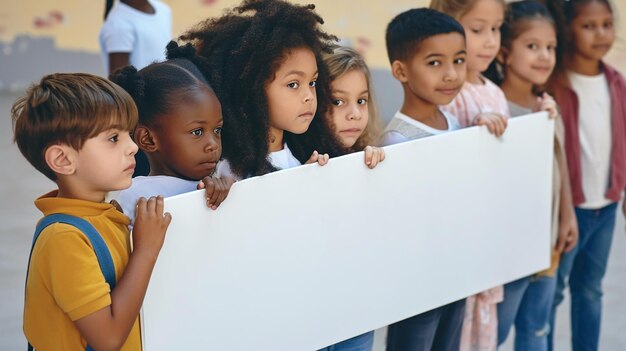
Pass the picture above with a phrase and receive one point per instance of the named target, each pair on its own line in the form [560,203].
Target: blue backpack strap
[99,246]
[30,348]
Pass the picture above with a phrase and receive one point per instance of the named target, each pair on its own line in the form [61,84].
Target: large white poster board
[306,257]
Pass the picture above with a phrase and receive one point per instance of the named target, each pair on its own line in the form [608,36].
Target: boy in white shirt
[426,49]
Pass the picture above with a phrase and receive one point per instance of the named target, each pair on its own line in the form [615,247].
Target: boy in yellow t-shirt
[74,128]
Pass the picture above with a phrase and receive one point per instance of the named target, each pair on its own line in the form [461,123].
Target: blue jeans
[438,329]
[585,267]
[527,304]
[363,342]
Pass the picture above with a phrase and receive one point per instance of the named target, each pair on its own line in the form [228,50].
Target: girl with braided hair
[264,61]
[179,129]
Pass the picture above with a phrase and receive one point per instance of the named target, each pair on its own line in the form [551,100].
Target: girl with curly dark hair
[264,60]
[180,122]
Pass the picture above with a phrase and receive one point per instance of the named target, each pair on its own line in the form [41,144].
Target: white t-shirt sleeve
[128,201]
[392,137]
[223,170]
[453,122]
[117,35]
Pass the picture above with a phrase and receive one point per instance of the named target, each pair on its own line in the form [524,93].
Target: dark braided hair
[243,50]
[161,86]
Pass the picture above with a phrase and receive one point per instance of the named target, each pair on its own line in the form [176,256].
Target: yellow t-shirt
[65,282]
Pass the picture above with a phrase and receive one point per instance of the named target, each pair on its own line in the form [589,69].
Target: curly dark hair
[243,49]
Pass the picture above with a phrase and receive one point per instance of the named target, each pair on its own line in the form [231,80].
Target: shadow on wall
[27,59]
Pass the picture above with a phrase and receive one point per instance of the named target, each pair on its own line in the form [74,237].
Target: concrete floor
[21,184]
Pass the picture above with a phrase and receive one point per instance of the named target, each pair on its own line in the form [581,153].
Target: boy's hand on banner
[150,225]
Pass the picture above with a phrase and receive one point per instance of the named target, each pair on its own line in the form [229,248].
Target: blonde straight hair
[456,8]
[341,61]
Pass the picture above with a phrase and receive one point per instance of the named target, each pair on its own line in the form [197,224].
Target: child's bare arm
[108,328]
[216,190]
[496,123]
[568,225]
[373,156]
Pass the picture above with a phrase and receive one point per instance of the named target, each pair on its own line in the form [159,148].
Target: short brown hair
[68,108]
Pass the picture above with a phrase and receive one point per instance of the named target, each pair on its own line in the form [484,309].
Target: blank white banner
[306,257]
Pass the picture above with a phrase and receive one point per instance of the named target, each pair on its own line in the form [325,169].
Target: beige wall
[74,24]
[362,23]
